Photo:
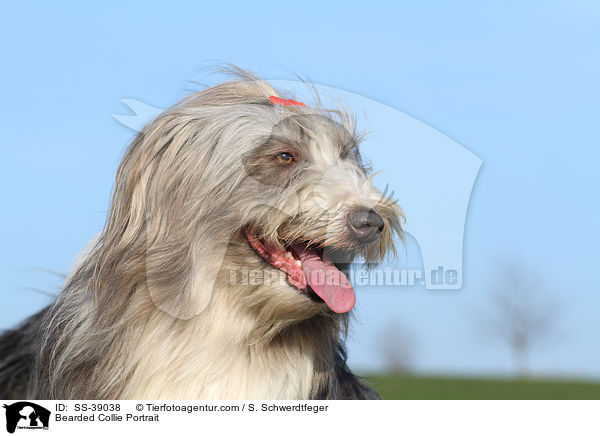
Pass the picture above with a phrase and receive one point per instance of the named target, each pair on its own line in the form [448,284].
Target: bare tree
[397,347]
[522,313]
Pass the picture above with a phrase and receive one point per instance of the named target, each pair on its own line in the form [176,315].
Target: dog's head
[310,208]
[230,179]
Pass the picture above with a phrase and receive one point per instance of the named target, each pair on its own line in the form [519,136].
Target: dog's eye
[286,158]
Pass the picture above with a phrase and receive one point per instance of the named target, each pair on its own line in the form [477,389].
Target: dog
[166,302]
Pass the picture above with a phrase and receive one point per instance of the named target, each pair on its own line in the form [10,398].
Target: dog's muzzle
[365,225]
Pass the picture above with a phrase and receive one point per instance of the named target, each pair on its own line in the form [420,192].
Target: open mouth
[308,269]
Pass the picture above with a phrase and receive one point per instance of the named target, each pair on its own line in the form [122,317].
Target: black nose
[365,224]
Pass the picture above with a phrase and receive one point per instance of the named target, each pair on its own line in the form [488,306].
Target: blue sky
[515,84]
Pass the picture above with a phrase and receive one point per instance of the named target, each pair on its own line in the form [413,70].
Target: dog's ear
[183,253]
[155,221]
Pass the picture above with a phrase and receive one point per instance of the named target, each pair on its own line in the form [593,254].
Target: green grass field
[406,387]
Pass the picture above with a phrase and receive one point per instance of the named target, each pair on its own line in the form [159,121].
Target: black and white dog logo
[26,415]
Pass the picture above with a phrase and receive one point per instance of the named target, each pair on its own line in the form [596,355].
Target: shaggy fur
[159,307]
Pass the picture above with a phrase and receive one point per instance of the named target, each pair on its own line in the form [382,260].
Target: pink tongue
[328,282]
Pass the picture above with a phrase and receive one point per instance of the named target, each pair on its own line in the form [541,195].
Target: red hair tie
[283,102]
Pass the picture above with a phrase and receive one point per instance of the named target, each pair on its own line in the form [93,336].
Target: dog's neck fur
[234,350]
[210,362]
